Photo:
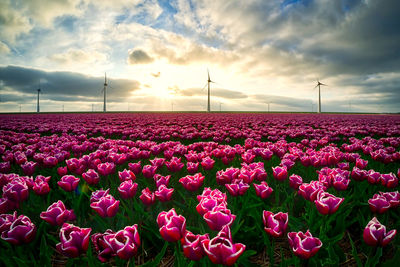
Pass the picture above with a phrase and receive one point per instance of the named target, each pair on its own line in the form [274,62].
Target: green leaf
[373,261]
[158,258]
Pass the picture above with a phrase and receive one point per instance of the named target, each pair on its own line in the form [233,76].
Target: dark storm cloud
[63,86]
[139,56]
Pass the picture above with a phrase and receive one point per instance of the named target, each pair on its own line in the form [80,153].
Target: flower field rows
[199,189]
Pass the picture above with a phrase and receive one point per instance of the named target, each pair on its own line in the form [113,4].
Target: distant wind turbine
[105,93]
[208,93]
[39,90]
[319,94]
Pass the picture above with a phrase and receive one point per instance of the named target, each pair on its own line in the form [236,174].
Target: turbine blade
[208,73]
[323,84]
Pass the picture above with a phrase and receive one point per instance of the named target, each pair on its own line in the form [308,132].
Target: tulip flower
[158,162]
[127,189]
[227,176]
[340,183]
[20,231]
[192,246]
[124,243]
[163,193]
[29,167]
[91,177]
[50,162]
[295,181]
[375,234]
[57,214]
[136,168]
[304,245]
[174,165]
[280,173]
[74,240]
[389,180]
[104,251]
[41,185]
[126,175]
[149,171]
[61,171]
[379,204]
[7,205]
[373,177]
[327,203]
[259,174]
[263,190]
[172,226]
[392,197]
[106,168]
[106,206]
[6,220]
[16,191]
[147,197]
[192,182]
[311,190]
[358,174]
[361,164]
[192,167]
[237,188]
[159,179]
[275,224]
[218,217]
[221,250]
[207,163]
[68,183]
[96,195]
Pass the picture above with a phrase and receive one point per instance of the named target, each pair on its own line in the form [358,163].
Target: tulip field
[197,189]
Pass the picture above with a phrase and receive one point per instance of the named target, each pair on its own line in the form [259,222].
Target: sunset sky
[157,53]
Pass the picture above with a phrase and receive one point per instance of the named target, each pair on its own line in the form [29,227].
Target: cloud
[64,86]
[218,92]
[4,48]
[78,56]
[139,56]
[12,22]
[155,75]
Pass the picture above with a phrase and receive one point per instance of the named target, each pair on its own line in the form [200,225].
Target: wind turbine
[319,94]
[105,92]
[38,104]
[208,93]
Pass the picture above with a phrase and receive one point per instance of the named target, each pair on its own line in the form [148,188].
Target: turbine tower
[319,94]
[105,93]
[38,93]
[208,92]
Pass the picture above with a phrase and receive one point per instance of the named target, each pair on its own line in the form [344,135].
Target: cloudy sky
[156,54]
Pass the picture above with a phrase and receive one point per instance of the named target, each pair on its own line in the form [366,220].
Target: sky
[156,55]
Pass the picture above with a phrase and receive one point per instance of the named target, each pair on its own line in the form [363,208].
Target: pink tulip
[375,234]
[106,206]
[379,204]
[19,230]
[280,173]
[295,181]
[57,214]
[74,240]
[163,193]
[126,175]
[192,246]
[68,183]
[127,189]
[327,203]
[147,197]
[304,245]
[192,182]
[263,190]
[172,226]
[221,250]
[218,217]
[91,177]
[237,188]
[275,224]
